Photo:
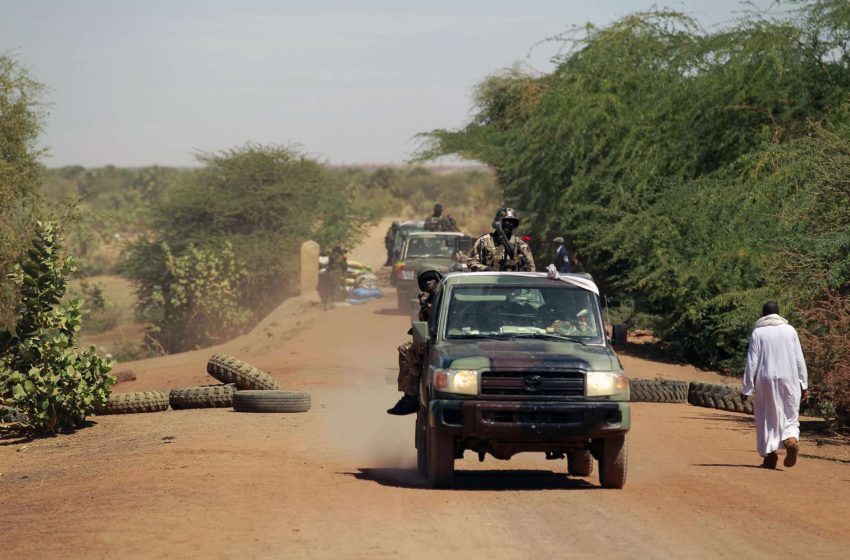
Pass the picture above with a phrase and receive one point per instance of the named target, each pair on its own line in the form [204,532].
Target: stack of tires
[658,390]
[722,397]
[244,387]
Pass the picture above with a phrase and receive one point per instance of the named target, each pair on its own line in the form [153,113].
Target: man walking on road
[777,372]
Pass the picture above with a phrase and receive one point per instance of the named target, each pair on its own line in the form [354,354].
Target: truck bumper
[529,421]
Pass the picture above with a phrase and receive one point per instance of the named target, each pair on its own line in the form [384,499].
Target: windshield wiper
[549,336]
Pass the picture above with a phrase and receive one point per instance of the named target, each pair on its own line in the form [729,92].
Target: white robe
[777,372]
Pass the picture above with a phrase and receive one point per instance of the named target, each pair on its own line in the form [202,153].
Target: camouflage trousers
[411,358]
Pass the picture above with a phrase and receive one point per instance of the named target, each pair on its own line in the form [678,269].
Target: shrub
[42,374]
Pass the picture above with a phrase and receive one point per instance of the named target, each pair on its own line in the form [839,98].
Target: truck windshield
[418,247]
[558,311]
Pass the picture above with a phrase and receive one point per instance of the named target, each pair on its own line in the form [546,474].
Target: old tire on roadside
[613,462]
[228,369]
[441,458]
[271,401]
[580,462]
[133,403]
[658,390]
[204,396]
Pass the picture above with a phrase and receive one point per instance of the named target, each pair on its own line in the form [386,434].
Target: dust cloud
[357,426]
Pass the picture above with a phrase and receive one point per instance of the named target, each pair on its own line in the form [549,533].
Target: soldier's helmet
[507,216]
[438,208]
[425,275]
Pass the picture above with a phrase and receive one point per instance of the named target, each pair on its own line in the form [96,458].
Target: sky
[133,83]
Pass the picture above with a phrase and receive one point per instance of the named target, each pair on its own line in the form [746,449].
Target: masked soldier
[411,357]
[498,250]
[438,222]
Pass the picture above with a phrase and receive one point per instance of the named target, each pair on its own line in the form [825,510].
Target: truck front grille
[533,383]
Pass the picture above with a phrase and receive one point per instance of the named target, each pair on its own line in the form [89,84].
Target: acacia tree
[20,125]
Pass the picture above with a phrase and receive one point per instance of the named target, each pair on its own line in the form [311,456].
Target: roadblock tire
[658,390]
[133,403]
[271,401]
[205,396]
[580,462]
[228,369]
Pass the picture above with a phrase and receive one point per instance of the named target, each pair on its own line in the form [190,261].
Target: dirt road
[339,481]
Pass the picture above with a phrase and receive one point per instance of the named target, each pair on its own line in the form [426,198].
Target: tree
[42,374]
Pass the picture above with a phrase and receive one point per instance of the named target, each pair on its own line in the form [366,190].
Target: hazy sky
[146,81]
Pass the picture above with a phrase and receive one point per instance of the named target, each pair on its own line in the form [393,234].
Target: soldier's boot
[792,448]
[770,460]
[408,404]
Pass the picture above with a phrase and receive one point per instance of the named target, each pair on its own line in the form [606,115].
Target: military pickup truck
[440,251]
[520,362]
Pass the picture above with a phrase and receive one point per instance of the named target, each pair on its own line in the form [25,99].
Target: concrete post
[310,270]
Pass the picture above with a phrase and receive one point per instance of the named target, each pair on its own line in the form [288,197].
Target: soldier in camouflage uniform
[411,357]
[438,222]
[490,253]
[337,268]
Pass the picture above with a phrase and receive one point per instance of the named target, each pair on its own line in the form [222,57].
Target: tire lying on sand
[228,369]
[719,396]
[133,403]
[205,396]
[658,390]
[271,401]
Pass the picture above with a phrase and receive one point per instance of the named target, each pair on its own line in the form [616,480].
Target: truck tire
[441,458]
[133,403]
[658,390]
[271,401]
[228,369]
[205,396]
[580,463]
[421,439]
[613,462]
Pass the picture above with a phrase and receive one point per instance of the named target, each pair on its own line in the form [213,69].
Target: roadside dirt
[339,481]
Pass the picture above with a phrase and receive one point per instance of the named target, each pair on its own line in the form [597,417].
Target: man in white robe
[776,371]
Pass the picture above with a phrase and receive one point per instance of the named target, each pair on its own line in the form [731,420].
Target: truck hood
[440,264]
[518,354]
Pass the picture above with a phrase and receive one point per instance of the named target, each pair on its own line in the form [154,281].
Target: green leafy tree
[20,170]
[42,374]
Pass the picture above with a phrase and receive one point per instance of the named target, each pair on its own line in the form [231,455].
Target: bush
[42,374]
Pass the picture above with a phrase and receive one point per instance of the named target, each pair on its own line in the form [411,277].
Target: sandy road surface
[339,481]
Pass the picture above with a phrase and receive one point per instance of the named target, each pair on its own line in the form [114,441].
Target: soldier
[337,268]
[438,222]
[389,242]
[497,251]
[411,356]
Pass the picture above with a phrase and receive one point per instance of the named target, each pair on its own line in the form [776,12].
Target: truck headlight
[607,384]
[458,381]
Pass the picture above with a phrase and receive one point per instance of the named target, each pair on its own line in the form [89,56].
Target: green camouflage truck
[519,362]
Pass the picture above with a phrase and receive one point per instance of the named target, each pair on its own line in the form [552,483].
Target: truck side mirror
[420,332]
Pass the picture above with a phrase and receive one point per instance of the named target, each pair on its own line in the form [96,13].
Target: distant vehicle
[405,229]
[519,362]
[440,251]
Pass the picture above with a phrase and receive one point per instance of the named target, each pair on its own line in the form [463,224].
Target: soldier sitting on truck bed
[438,222]
[497,251]
[411,356]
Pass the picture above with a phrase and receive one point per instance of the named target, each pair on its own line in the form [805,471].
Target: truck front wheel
[422,441]
[612,462]
[441,458]
[580,462]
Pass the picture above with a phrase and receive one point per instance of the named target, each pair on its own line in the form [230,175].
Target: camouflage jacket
[440,223]
[487,254]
